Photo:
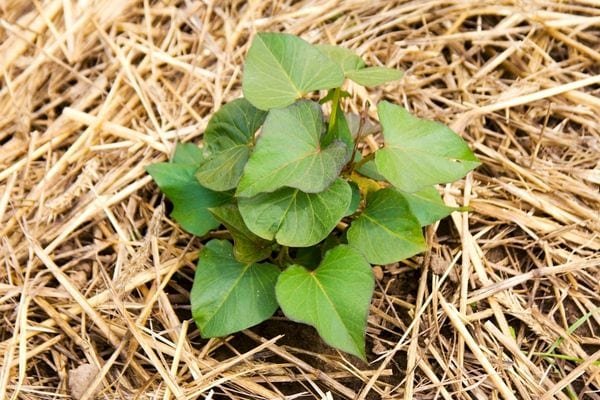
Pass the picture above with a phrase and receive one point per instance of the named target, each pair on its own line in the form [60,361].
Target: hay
[505,305]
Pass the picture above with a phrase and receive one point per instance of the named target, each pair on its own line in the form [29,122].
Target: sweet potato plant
[306,207]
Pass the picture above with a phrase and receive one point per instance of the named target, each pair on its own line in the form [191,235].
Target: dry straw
[93,273]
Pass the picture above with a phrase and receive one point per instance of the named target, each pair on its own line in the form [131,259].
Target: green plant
[307,211]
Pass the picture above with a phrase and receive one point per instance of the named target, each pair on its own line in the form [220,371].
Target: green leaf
[386,231]
[355,69]
[334,298]
[369,169]
[222,171]
[187,153]
[419,153]
[308,256]
[289,153]
[248,247]
[281,68]
[373,76]
[340,133]
[344,57]
[190,200]
[355,201]
[228,137]
[234,124]
[427,205]
[365,185]
[354,124]
[228,296]
[295,218]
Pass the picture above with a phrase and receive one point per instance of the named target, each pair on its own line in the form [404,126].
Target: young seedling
[307,213]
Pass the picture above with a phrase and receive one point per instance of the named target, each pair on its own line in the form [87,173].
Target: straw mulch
[94,277]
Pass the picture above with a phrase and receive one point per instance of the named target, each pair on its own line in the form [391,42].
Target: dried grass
[93,272]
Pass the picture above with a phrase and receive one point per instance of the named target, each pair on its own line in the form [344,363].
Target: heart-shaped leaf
[369,169]
[355,69]
[344,57]
[427,205]
[281,68]
[222,171]
[373,76]
[365,125]
[191,200]
[365,185]
[334,298]
[340,132]
[289,153]
[355,201]
[419,153]
[386,231]
[228,137]
[187,153]
[234,124]
[295,218]
[309,257]
[228,296]
[248,247]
